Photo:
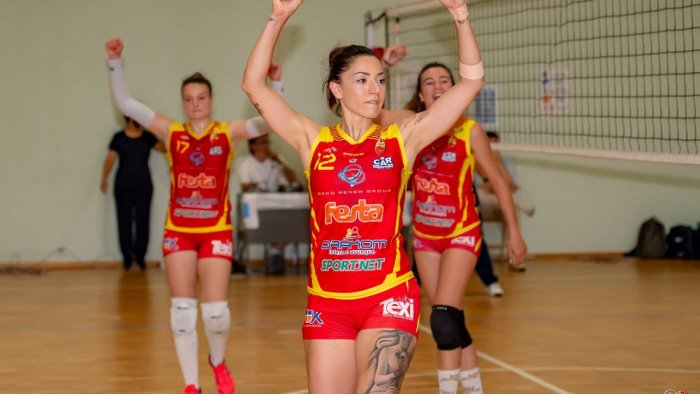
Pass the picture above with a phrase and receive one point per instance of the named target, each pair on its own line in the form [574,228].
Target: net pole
[369,29]
[397,81]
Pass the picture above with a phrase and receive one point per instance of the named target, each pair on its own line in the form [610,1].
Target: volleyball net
[611,79]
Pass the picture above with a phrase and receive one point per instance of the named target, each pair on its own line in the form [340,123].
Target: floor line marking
[510,368]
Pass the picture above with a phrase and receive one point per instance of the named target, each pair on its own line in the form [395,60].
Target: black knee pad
[464,334]
[446,323]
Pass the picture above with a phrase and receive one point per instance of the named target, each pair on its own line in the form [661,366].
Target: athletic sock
[217,322]
[471,381]
[448,381]
[183,317]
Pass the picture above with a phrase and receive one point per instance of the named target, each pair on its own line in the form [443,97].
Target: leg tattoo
[389,361]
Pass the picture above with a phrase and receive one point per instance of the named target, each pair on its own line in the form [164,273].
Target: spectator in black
[133,189]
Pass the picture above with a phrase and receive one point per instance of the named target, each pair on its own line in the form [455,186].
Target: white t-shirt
[267,174]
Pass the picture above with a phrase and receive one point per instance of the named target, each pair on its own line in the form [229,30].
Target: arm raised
[282,119]
[425,127]
[129,106]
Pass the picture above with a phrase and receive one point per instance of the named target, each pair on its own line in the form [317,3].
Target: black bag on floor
[651,240]
[683,243]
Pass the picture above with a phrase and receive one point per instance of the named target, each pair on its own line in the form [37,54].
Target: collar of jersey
[210,128]
[364,136]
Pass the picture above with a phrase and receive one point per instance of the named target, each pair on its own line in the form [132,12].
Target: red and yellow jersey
[199,179]
[444,204]
[357,191]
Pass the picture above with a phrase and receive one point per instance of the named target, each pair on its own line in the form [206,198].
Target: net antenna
[596,78]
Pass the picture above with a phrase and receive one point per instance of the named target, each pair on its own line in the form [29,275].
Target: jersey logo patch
[401,308]
[313,318]
[352,175]
[383,163]
[363,212]
[197,158]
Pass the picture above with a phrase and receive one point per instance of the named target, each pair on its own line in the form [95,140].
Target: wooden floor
[565,326]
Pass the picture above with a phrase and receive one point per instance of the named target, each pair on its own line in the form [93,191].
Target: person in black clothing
[133,189]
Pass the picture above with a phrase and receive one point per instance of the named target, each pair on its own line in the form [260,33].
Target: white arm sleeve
[256,127]
[127,104]
[277,86]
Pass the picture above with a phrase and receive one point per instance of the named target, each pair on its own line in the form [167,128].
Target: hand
[517,250]
[394,53]
[275,71]
[283,9]
[114,48]
[453,4]
[103,186]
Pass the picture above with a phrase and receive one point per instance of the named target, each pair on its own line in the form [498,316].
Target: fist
[394,53]
[114,48]
[453,4]
[283,9]
[275,71]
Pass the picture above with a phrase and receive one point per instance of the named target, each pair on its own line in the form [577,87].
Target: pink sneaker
[192,389]
[224,381]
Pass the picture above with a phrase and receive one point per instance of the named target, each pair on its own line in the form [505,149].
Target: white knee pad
[216,317]
[183,316]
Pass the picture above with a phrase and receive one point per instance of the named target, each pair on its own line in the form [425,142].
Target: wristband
[256,127]
[471,71]
[277,86]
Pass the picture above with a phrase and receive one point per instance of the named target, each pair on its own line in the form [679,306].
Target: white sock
[448,381]
[217,322]
[471,381]
[183,321]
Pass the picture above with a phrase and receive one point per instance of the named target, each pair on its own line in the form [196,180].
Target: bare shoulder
[399,116]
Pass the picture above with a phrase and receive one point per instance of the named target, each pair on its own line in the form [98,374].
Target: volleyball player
[361,320]
[447,229]
[198,239]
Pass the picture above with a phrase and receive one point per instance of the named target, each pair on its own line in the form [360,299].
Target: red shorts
[470,241]
[396,308]
[218,244]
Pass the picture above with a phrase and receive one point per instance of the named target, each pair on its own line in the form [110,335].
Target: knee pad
[216,316]
[464,333]
[446,322]
[183,316]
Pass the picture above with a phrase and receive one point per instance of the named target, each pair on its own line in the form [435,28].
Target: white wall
[587,205]
[57,119]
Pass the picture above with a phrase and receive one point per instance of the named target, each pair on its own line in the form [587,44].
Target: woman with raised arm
[447,236]
[361,321]
[198,237]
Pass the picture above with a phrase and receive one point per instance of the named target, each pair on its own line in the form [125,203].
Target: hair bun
[334,53]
